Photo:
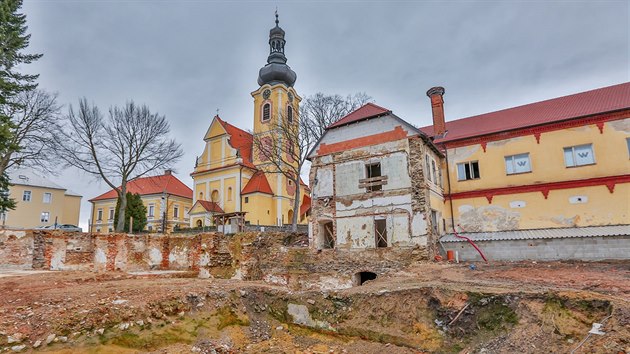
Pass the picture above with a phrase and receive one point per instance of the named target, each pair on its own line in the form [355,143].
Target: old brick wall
[16,249]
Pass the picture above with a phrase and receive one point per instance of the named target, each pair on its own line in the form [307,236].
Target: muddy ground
[444,308]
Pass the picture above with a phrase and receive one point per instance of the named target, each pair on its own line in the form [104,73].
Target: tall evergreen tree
[135,209]
[13,40]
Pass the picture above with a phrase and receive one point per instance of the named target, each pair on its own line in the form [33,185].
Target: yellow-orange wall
[548,165]
[28,213]
[153,223]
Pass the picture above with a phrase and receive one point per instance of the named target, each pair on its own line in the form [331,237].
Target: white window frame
[46,218]
[26,196]
[151,211]
[470,167]
[176,212]
[511,161]
[99,215]
[573,157]
[49,198]
[111,214]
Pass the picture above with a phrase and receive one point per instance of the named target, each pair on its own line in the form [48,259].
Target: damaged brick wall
[16,249]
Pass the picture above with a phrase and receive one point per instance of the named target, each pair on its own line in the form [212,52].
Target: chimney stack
[437,106]
[168,172]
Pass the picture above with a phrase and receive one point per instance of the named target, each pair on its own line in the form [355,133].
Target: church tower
[276,104]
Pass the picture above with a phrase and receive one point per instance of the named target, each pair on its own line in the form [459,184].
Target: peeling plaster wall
[403,201]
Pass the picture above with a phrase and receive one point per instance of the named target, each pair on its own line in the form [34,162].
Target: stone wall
[574,248]
[276,258]
[16,249]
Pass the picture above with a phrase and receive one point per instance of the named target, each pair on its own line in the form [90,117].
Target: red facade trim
[544,188]
[597,120]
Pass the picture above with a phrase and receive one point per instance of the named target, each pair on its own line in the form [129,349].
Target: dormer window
[266,113]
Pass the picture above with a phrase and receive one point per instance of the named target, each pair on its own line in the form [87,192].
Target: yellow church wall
[547,158]
[260,209]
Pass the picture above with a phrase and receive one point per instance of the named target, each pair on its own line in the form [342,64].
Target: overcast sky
[185,59]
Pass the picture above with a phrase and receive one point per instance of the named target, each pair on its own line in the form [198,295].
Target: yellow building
[167,199]
[40,202]
[559,163]
[231,175]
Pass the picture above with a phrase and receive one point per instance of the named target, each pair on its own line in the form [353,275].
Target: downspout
[450,200]
[448,180]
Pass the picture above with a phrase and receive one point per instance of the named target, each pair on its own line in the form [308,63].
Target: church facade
[232,174]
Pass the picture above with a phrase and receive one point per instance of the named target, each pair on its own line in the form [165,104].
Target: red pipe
[471,242]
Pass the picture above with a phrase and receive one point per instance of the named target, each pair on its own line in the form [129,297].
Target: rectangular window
[434,171]
[371,171]
[151,210]
[517,164]
[579,155]
[26,196]
[47,198]
[246,200]
[427,167]
[99,215]
[45,216]
[176,212]
[467,170]
[628,143]
[380,232]
[111,214]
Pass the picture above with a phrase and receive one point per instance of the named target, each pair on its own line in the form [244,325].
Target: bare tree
[284,148]
[320,110]
[130,143]
[34,118]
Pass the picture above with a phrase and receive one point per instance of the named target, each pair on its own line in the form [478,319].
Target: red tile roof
[210,206]
[152,185]
[306,205]
[578,105]
[239,140]
[257,184]
[366,111]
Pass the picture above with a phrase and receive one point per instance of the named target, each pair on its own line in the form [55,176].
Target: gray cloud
[185,59]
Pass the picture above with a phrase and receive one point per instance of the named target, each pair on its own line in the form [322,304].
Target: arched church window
[215,196]
[290,114]
[266,112]
[200,195]
[229,196]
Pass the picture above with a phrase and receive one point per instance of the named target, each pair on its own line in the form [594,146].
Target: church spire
[276,70]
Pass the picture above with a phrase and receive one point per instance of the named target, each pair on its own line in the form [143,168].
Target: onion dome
[276,70]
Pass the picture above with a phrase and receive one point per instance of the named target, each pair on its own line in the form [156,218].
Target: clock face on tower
[266,94]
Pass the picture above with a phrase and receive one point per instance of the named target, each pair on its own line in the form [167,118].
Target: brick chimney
[168,172]
[437,106]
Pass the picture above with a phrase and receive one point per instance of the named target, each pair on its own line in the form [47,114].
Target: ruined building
[370,188]
[547,180]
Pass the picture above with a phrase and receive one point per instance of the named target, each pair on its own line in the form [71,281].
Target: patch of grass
[496,316]
[227,317]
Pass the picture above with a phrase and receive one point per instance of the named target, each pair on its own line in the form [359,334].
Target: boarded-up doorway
[380,233]
[326,238]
